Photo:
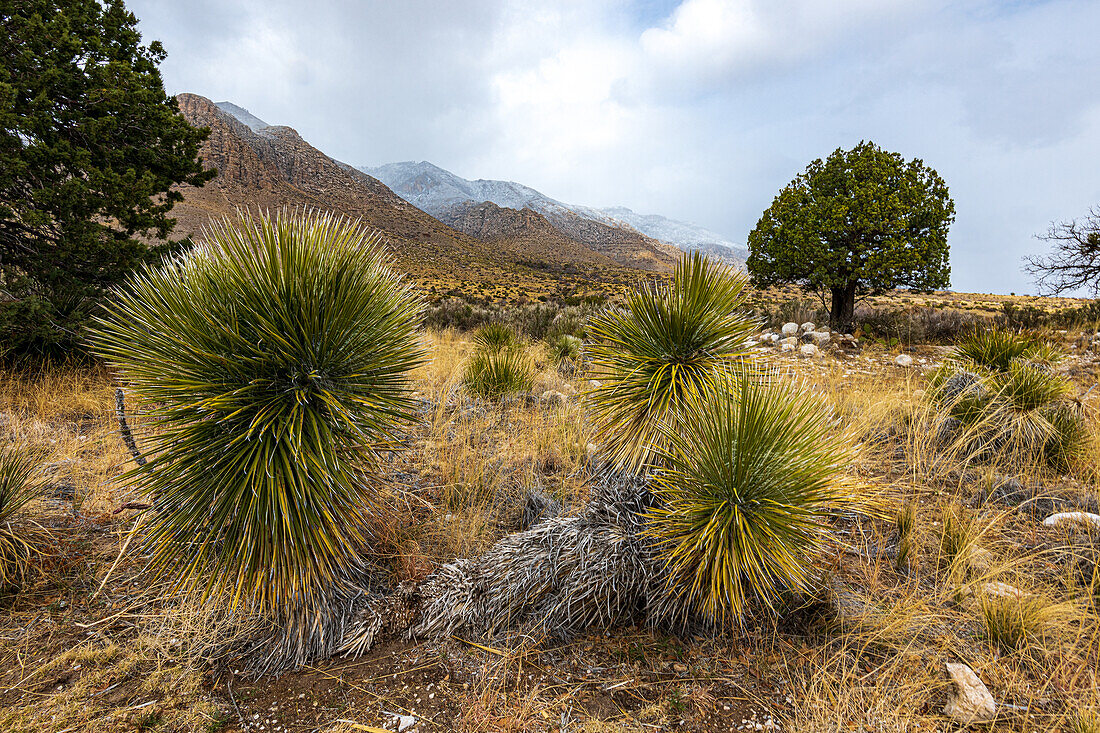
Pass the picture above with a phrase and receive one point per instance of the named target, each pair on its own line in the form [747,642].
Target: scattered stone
[820,338]
[1001,590]
[790,340]
[807,327]
[553,398]
[969,702]
[904,360]
[790,329]
[809,350]
[1056,520]
[786,346]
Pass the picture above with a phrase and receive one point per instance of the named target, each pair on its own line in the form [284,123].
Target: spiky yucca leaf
[996,349]
[748,480]
[670,342]
[495,336]
[273,362]
[21,539]
[493,374]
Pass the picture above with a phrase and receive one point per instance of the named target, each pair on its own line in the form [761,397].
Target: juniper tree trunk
[844,304]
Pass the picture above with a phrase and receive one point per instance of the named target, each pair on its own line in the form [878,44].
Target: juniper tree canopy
[861,222]
[90,145]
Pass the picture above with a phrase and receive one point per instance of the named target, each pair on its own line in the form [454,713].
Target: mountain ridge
[435,189]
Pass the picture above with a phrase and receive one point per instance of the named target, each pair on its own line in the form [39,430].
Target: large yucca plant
[748,479]
[273,362]
[670,342]
[996,349]
[21,539]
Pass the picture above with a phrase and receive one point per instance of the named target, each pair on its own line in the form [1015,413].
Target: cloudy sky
[699,110]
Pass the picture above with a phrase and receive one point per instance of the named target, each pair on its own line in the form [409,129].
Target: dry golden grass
[869,655]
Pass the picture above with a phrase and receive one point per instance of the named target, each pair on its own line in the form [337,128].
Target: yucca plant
[748,478]
[996,349]
[495,336]
[565,348]
[273,362]
[669,343]
[493,374]
[1005,402]
[21,539]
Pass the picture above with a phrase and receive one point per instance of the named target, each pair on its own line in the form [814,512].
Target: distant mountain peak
[242,115]
[436,190]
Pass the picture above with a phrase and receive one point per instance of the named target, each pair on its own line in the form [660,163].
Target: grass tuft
[21,539]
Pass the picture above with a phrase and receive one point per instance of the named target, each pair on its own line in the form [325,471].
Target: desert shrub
[273,361]
[457,314]
[913,325]
[746,484]
[797,310]
[21,539]
[495,336]
[670,341]
[1027,316]
[493,374]
[998,349]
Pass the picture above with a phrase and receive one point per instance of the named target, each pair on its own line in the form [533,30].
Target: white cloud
[701,114]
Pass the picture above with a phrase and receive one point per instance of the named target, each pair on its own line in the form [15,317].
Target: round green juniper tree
[861,222]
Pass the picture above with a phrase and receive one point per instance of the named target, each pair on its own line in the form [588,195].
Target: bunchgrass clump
[495,336]
[1012,621]
[959,536]
[272,361]
[749,477]
[905,523]
[493,374]
[672,341]
[22,540]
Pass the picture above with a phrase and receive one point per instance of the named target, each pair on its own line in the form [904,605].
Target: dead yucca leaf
[21,539]
[750,474]
[670,342]
[273,361]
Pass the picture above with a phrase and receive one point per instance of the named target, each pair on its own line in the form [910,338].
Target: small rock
[970,701]
[809,351]
[786,346]
[820,338]
[792,340]
[554,398]
[1002,590]
[790,329]
[904,360]
[807,327]
[1056,520]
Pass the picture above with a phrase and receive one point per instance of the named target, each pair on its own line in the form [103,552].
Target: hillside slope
[264,167]
[436,190]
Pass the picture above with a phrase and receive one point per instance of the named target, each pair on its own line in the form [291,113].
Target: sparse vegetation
[22,539]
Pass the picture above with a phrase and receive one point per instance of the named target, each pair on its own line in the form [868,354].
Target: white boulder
[807,327]
[809,351]
[904,360]
[1056,520]
[969,702]
[790,329]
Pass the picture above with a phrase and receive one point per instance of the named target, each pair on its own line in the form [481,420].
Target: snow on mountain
[242,115]
[681,233]
[435,190]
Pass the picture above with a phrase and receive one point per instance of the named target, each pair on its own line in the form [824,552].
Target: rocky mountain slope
[682,234]
[268,167]
[435,189]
